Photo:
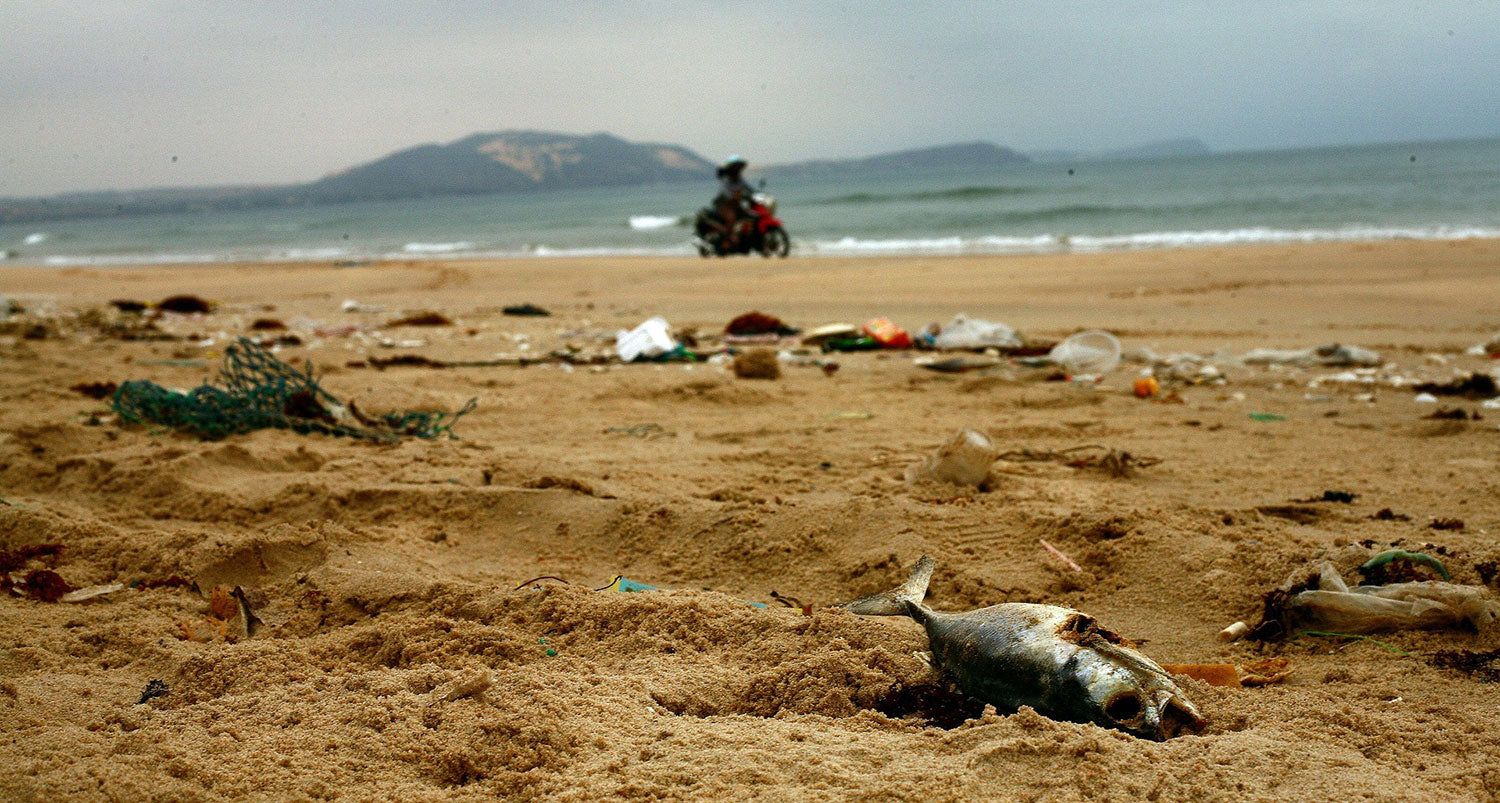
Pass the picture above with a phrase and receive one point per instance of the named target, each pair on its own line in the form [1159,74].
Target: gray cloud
[105,93]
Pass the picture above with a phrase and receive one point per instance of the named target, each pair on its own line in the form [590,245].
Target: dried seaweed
[1479,665]
[1446,524]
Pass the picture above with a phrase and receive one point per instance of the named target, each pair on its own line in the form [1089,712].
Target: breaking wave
[648,222]
[437,248]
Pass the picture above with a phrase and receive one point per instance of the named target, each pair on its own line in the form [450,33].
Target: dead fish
[1056,660]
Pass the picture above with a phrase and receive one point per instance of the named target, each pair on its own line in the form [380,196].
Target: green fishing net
[257,391]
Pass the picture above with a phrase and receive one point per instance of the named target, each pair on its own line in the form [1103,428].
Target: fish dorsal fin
[897,601]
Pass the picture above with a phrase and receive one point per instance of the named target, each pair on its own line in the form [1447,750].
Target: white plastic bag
[651,339]
[964,332]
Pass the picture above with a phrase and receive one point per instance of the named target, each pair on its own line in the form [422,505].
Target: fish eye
[1123,708]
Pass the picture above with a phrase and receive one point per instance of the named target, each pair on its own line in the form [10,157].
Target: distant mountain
[1161,149]
[481,164]
[962,156]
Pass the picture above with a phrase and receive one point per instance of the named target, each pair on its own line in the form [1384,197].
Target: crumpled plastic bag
[652,338]
[963,459]
[1429,605]
[964,332]
[1332,354]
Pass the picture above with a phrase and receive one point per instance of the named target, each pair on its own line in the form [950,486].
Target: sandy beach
[400,652]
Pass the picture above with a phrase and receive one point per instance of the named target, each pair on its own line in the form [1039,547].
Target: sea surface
[1429,190]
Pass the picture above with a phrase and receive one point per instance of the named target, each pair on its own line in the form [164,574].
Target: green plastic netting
[257,391]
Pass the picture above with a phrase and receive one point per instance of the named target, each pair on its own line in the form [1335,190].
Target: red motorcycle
[757,232]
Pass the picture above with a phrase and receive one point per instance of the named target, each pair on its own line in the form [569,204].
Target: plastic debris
[963,459]
[525,310]
[1255,673]
[1090,353]
[1323,602]
[425,318]
[186,305]
[759,323]
[85,594]
[653,338]
[467,685]
[964,333]
[832,331]
[258,391]
[1474,386]
[626,586]
[1332,354]
[154,689]
[887,334]
[1145,387]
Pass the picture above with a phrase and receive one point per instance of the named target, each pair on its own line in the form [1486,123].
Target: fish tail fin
[899,601]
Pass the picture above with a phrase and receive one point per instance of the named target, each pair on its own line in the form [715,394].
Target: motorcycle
[757,232]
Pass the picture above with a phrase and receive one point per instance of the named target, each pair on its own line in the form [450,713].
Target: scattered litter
[350,305]
[1489,348]
[623,585]
[759,363]
[1320,603]
[1057,553]
[1424,398]
[1267,417]
[1386,514]
[1446,524]
[526,310]
[421,319]
[1484,666]
[956,365]
[1454,414]
[1234,632]
[91,592]
[653,338]
[963,459]
[829,332]
[154,689]
[1474,386]
[1255,673]
[39,584]
[886,334]
[1145,387]
[1399,566]
[1332,354]
[1091,353]
[186,305]
[129,305]
[259,392]
[793,602]
[753,324]
[964,333]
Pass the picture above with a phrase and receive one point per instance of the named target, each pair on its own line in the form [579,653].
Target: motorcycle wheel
[777,242]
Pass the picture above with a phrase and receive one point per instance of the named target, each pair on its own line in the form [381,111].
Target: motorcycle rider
[733,201]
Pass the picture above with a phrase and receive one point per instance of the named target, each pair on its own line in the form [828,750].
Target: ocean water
[1430,190]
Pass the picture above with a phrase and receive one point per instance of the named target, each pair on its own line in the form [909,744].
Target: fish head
[1142,700]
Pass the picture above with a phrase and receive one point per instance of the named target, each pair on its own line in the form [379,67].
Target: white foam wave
[35,238]
[437,248]
[116,260]
[297,254]
[648,222]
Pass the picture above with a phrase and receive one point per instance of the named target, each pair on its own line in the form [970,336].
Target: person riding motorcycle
[732,204]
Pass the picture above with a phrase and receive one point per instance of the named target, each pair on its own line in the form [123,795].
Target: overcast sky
[97,94]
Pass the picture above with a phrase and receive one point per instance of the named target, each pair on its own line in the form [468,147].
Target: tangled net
[257,391]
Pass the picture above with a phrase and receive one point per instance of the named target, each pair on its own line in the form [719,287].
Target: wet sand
[386,576]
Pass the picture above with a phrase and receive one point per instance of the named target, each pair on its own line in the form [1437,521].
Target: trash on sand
[258,391]
[757,364]
[186,305]
[1234,632]
[956,365]
[1090,353]
[1255,673]
[1057,553]
[1386,514]
[1145,387]
[1322,602]
[1489,348]
[1332,354]
[653,338]
[154,689]
[425,318]
[853,343]
[39,584]
[887,334]
[621,584]
[1473,386]
[963,459]
[267,325]
[832,331]
[1341,497]
[1396,565]
[965,333]
[525,310]
[1058,661]
[1424,398]
[1267,417]
[1454,414]
[350,305]
[758,323]
[85,594]
[1446,524]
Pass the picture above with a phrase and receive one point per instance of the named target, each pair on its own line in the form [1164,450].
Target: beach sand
[386,576]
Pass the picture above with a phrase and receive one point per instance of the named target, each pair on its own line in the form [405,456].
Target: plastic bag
[652,338]
[1091,353]
[1331,354]
[964,332]
[1332,605]
[963,460]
